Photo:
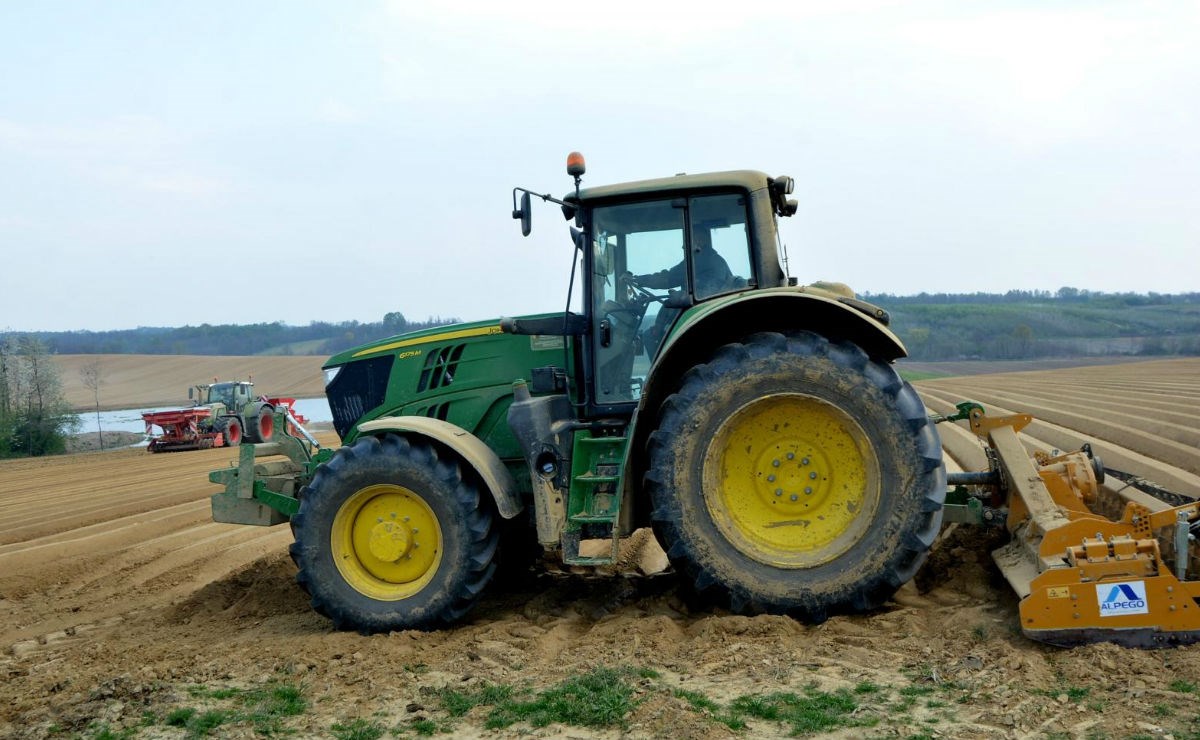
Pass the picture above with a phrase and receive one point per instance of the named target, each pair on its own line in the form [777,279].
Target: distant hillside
[317,338]
[1017,325]
[1030,325]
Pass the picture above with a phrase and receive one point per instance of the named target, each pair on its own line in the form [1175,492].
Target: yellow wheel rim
[791,481]
[386,542]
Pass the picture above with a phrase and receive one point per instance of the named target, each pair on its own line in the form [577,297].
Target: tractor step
[594,501]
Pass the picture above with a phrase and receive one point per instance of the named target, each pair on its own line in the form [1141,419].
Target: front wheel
[230,428]
[390,536]
[792,475]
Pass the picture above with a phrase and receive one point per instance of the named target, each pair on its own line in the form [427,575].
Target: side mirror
[525,213]
[191,393]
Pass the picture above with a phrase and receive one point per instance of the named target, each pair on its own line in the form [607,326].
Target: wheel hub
[386,542]
[792,476]
[389,541]
[787,479]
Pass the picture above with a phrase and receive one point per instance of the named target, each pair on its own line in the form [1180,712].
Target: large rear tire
[792,475]
[389,536]
[261,427]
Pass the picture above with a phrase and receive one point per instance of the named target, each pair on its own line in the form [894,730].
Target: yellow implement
[1082,576]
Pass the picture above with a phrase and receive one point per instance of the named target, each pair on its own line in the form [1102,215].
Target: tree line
[34,416]
[1037,324]
[277,338]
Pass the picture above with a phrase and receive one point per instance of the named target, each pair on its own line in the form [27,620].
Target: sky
[171,164]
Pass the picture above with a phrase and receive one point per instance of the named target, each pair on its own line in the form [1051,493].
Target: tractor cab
[652,250]
[231,395]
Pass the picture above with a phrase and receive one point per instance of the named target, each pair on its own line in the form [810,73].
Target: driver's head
[701,240]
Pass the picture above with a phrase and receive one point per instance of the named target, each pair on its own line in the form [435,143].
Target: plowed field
[125,610]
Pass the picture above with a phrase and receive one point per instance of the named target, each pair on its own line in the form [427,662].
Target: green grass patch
[703,705]
[1183,687]
[1074,694]
[599,698]
[104,732]
[358,729]
[698,701]
[263,708]
[424,727]
[605,697]
[816,711]
[866,687]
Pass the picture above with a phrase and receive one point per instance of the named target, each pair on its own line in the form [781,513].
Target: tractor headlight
[331,374]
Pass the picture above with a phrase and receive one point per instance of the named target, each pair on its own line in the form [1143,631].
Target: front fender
[486,464]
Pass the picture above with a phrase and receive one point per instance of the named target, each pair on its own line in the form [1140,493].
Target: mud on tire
[390,536]
[789,474]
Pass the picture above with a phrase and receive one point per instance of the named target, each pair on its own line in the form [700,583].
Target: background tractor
[757,425]
[223,414]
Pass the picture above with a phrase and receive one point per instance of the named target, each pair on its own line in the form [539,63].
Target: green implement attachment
[264,493]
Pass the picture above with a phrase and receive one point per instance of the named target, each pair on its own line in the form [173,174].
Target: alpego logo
[1122,598]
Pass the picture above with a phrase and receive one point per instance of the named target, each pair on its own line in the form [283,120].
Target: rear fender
[783,310]
[712,324]
[473,452]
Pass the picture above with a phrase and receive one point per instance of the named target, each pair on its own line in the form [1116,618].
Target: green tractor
[757,425]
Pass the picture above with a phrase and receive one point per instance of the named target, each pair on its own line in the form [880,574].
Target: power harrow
[1091,563]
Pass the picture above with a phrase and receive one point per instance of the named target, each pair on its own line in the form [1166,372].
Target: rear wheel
[389,536]
[261,428]
[230,428]
[792,475]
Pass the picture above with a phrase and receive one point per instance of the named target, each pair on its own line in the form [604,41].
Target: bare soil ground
[123,607]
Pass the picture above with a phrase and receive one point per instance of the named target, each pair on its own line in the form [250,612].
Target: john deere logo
[1122,598]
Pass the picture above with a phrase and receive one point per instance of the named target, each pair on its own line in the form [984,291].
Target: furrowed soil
[126,612]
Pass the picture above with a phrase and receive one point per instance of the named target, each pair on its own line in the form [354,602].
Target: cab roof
[745,179]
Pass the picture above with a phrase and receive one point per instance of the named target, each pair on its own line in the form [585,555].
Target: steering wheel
[632,292]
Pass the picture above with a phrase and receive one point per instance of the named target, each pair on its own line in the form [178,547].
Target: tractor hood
[461,373]
[415,339]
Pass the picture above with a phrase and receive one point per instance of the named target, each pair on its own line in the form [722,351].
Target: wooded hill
[943,326]
[1030,324]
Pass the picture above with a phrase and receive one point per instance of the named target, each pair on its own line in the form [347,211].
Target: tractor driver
[712,275]
[712,272]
